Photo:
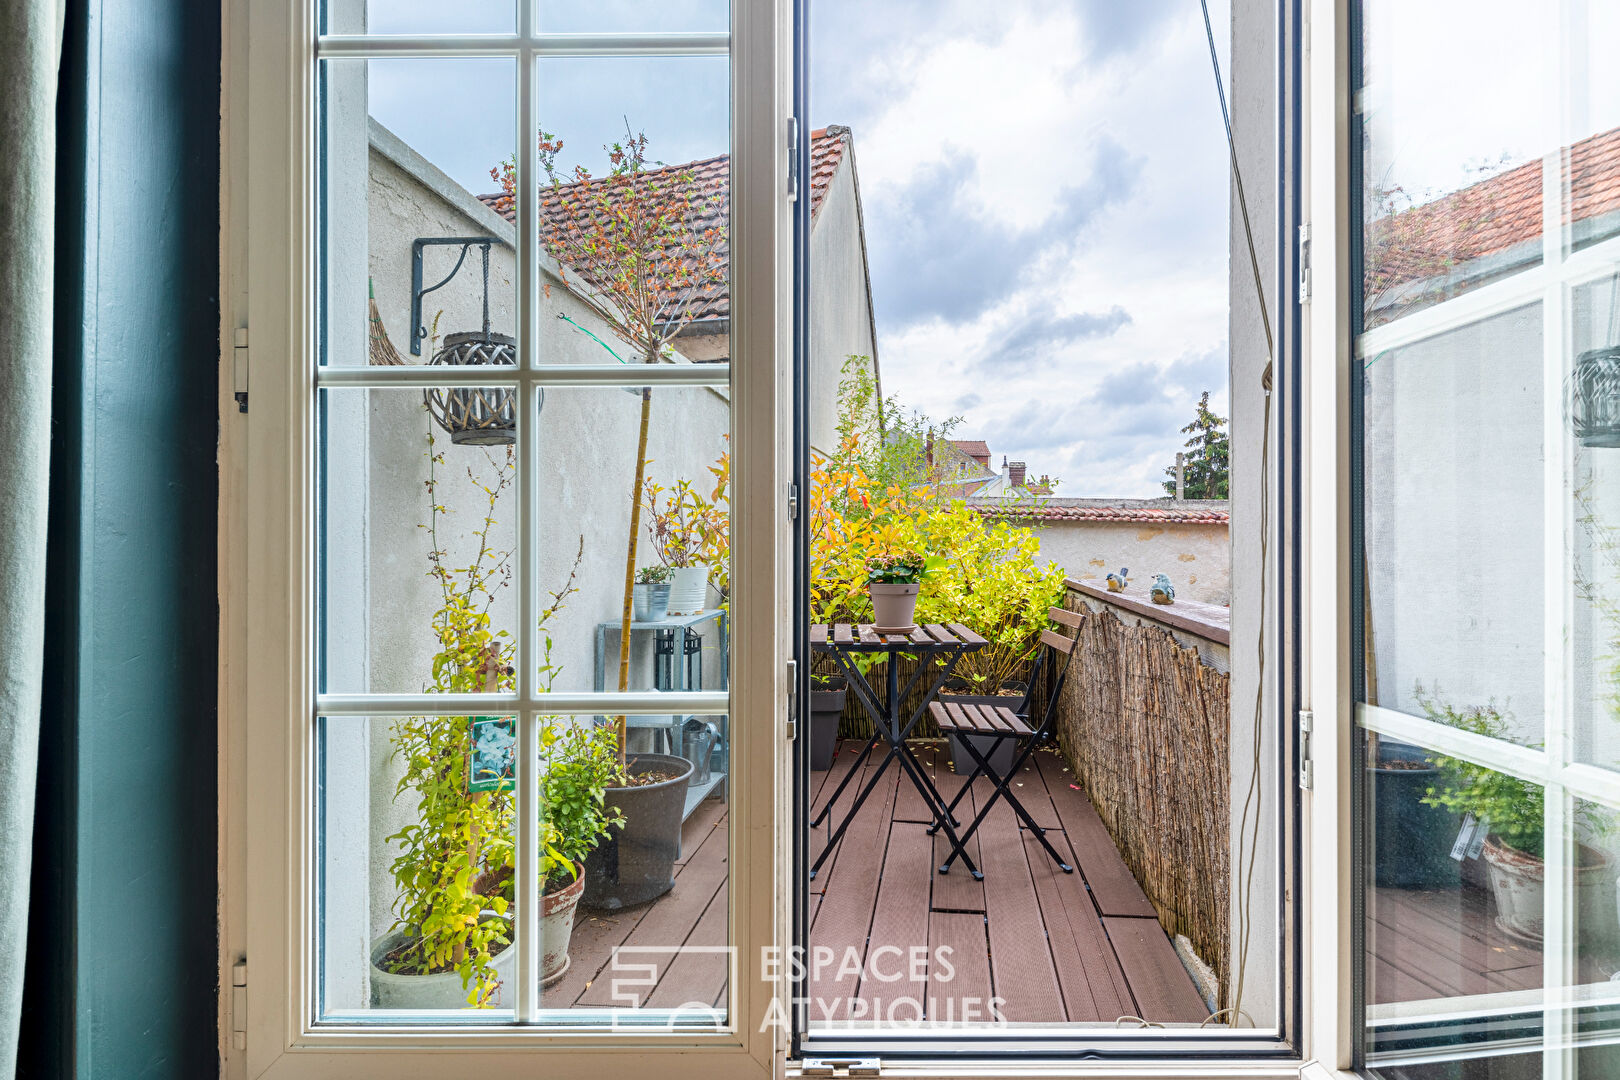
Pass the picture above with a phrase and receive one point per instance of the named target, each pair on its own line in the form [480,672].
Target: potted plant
[581,760]
[455,863]
[652,593]
[679,523]
[893,581]
[1513,811]
[1411,837]
[827,693]
[635,861]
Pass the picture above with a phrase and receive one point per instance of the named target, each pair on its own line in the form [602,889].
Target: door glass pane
[1489,393]
[587,453]
[419,16]
[414,866]
[408,151]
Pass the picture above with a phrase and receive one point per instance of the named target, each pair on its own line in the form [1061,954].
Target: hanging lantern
[482,415]
[1593,398]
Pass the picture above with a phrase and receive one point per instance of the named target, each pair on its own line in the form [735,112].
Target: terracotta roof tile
[1124,514]
[1487,218]
[973,448]
[711,175]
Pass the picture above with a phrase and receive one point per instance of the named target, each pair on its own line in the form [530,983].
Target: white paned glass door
[515,480]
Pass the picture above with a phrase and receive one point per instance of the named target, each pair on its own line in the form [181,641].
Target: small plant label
[1482,829]
[492,759]
[1465,838]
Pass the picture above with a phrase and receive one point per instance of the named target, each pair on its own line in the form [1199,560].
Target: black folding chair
[996,723]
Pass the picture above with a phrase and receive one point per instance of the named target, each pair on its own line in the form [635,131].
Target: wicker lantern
[483,415]
[476,416]
[1593,395]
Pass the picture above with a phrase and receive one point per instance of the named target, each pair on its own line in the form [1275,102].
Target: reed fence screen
[1144,725]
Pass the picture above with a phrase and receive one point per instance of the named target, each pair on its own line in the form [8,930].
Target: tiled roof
[711,179]
[973,448]
[1149,515]
[1491,216]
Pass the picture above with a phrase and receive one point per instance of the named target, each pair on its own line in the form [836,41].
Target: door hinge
[793,502]
[1307,764]
[841,1067]
[239,369]
[793,159]
[239,1004]
[793,700]
[1304,264]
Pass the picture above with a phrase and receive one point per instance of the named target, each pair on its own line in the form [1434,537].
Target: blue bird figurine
[1117,582]
[1162,591]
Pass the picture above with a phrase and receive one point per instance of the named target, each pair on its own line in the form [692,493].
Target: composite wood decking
[891,940]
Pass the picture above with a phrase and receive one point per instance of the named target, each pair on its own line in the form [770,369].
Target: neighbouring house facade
[383,197]
[1187,540]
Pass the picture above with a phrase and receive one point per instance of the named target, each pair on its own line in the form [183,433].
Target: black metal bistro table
[937,648]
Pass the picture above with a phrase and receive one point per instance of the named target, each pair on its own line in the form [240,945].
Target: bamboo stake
[623,722]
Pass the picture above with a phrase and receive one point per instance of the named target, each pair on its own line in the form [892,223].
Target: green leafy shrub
[1514,808]
[455,862]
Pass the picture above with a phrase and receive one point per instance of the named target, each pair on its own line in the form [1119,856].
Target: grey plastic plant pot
[636,863]
[826,709]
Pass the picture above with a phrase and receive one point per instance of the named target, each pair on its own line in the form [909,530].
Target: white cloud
[1024,112]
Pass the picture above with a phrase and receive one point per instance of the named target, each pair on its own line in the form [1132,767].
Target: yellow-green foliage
[456,860]
[985,575]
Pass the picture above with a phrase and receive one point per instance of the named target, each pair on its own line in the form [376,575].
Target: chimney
[1181,475]
[1015,474]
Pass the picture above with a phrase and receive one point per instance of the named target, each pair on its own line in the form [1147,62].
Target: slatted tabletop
[864,637]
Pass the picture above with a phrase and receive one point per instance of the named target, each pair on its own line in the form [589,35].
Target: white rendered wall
[840,313]
[1194,557]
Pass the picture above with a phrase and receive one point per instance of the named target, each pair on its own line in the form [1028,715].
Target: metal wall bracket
[418,330]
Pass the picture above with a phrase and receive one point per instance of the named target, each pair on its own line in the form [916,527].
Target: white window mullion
[526,868]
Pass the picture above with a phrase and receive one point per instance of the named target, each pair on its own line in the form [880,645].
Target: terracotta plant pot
[1517,881]
[688,590]
[636,863]
[557,926]
[894,607]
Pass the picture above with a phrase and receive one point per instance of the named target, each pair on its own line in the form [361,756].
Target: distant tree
[1208,464]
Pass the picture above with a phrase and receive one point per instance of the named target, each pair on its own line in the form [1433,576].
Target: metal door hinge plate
[841,1067]
[1307,767]
[1304,264]
[239,1005]
[239,369]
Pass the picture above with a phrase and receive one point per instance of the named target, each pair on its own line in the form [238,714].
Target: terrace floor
[1053,947]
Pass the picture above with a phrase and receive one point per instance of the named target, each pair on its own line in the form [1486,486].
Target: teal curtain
[31,30]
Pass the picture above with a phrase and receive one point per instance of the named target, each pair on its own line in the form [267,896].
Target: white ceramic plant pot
[894,607]
[390,991]
[688,590]
[1517,883]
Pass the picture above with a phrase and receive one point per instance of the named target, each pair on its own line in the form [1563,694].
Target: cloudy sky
[1044,187]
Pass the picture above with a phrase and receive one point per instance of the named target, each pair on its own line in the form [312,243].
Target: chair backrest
[1064,645]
